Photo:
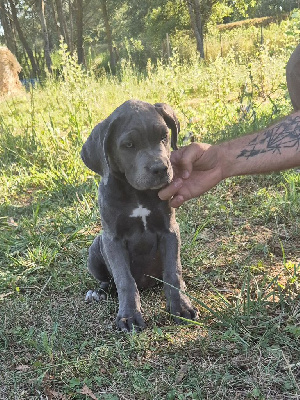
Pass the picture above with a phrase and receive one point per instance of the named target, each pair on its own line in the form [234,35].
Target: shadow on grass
[50,232]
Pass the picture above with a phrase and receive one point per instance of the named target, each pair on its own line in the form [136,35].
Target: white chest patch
[141,212]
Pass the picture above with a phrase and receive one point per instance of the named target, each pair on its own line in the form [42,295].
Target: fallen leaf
[57,395]
[181,373]
[22,367]
[11,222]
[2,296]
[86,390]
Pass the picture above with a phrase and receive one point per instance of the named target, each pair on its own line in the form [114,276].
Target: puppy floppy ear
[93,152]
[171,120]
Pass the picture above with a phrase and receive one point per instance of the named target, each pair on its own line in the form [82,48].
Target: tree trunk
[71,23]
[196,23]
[8,34]
[79,31]
[54,12]
[108,36]
[41,8]
[62,23]
[199,24]
[23,39]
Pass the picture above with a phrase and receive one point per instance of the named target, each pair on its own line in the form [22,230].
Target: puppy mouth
[162,183]
[151,182]
[159,186]
[156,185]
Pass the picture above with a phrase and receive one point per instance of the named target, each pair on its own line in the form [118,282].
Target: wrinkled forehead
[149,136]
[141,122]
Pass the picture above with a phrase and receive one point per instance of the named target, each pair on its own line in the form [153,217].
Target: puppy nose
[158,169]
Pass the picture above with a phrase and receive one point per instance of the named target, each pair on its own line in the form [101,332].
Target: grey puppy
[140,241]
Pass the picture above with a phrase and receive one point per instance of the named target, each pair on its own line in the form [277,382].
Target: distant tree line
[33,29]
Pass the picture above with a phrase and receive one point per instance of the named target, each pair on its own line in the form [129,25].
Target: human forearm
[200,166]
[273,149]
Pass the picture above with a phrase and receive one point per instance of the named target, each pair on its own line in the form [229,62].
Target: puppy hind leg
[96,262]
[97,268]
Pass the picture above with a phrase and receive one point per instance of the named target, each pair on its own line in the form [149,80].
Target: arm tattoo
[283,135]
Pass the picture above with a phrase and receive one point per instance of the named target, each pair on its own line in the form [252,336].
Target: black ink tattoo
[284,135]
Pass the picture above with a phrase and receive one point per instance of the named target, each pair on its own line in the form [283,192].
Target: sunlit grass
[240,245]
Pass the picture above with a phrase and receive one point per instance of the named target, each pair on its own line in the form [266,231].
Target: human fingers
[169,191]
[183,160]
[177,201]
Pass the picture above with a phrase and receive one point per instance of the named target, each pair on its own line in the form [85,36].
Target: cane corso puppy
[140,242]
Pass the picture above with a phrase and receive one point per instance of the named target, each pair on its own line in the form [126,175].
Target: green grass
[240,247]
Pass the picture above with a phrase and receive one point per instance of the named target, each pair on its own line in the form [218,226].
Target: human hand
[197,168]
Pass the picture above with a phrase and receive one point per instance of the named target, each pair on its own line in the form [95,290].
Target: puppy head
[134,142]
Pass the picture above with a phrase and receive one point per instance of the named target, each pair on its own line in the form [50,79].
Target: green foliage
[241,9]
[293,27]
[166,18]
[71,72]
[274,7]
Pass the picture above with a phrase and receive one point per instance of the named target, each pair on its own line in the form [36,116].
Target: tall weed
[42,131]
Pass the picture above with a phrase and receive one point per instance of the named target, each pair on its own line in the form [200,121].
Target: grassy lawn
[240,247]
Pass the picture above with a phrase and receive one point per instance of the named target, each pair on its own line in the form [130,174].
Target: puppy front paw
[130,320]
[180,306]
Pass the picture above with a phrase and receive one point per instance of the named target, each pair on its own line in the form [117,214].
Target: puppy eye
[164,137]
[129,145]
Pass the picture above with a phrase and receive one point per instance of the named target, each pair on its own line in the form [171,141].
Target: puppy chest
[142,213]
[140,219]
